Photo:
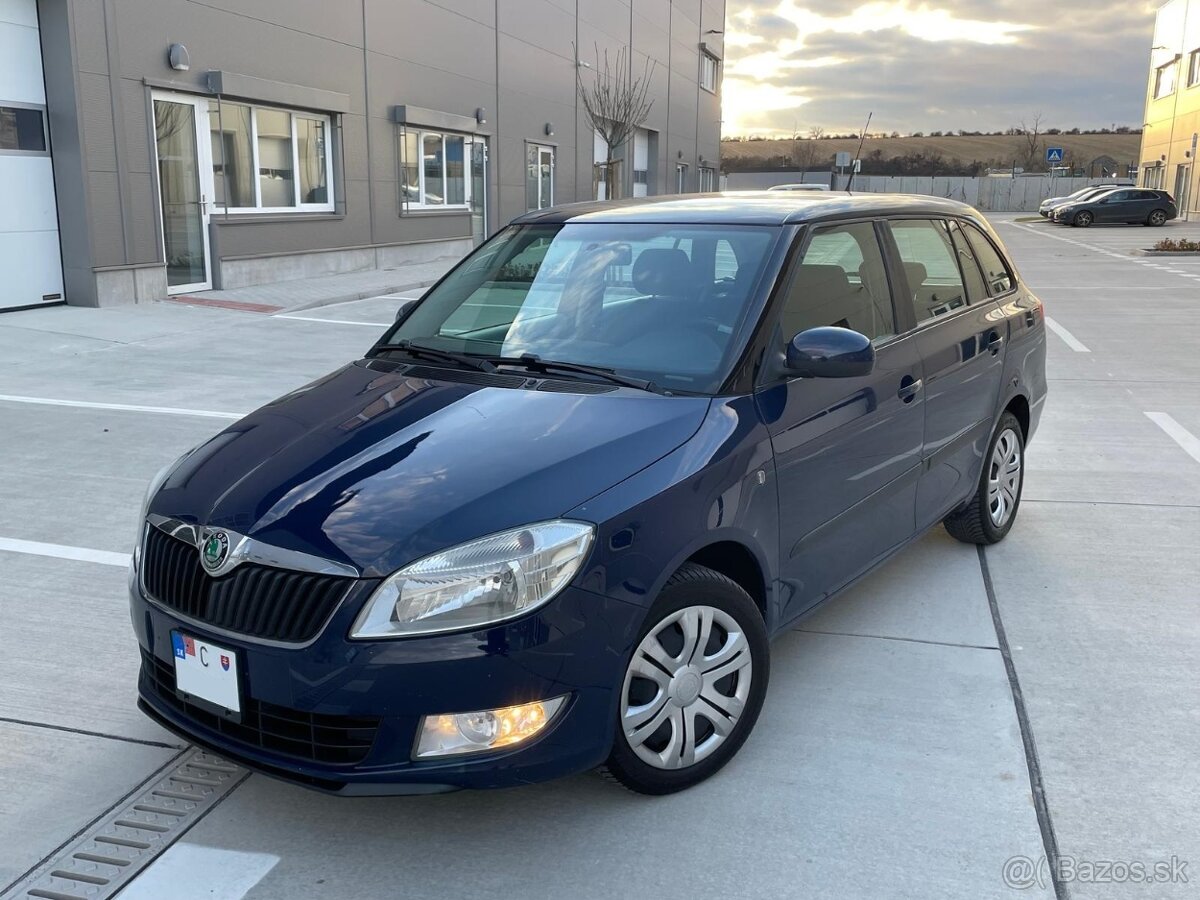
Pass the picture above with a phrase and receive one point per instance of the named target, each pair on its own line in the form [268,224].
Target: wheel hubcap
[686,687]
[1004,478]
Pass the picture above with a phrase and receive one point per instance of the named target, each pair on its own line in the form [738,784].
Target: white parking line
[62,551]
[333,321]
[125,407]
[1069,339]
[191,872]
[1180,435]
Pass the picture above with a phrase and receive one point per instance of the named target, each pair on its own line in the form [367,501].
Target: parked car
[553,517]
[1129,206]
[799,187]
[1048,206]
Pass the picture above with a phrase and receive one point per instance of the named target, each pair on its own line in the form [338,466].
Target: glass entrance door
[479,225]
[1183,181]
[184,185]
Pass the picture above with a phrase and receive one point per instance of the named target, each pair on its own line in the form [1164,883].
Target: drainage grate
[126,840]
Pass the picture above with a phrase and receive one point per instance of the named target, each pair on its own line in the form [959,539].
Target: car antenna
[858,153]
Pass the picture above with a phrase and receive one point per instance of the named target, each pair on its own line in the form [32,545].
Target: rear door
[847,450]
[1119,206]
[960,332]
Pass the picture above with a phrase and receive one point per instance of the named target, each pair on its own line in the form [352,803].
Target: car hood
[377,468]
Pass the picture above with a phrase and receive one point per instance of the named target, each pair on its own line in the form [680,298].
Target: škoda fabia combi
[552,519]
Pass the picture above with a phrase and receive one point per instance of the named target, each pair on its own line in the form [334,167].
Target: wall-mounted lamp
[481,116]
[713,31]
[177,57]
[583,65]
[549,129]
[679,154]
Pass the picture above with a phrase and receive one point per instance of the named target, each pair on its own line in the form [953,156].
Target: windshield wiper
[535,363]
[479,363]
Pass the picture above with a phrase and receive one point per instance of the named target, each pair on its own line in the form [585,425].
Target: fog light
[487,729]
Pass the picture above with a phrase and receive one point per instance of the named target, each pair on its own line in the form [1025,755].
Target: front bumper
[301,704]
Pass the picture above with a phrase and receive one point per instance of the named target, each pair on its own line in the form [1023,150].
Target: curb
[1164,254]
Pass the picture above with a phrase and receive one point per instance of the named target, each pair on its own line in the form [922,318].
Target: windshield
[655,302]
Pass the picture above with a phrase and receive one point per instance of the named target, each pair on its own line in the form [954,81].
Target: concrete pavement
[890,759]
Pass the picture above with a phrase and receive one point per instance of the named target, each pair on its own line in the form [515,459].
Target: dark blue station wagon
[553,517]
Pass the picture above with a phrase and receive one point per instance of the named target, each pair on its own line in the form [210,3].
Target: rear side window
[976,290]
[841,281]
[995,270]
[930,266]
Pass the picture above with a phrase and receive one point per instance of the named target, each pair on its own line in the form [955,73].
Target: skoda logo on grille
[214,550]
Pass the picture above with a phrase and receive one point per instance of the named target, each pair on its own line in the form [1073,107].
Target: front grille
[335,740]
[257,601]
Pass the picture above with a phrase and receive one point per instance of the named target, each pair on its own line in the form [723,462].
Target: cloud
[922,66]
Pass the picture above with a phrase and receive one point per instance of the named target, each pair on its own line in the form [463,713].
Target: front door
[847,450]
[184,186]
[961,333]
[479,225]
[1183,184]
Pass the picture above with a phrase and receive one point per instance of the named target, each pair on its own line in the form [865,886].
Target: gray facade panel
[356,62]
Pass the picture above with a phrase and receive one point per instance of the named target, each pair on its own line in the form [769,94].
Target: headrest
[917,273]
[662,271]
[830,279]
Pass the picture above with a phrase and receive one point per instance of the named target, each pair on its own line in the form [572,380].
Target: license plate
[206,671]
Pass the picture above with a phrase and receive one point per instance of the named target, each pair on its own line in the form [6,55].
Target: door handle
[909,388]
[995,342]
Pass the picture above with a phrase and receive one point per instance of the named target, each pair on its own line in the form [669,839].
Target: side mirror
[404,308]
[830,352]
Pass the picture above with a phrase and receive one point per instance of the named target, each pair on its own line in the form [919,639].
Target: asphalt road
[954,712]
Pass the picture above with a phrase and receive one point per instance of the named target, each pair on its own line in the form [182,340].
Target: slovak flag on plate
[224,662]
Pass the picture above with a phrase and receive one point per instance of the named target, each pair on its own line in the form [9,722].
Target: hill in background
[949,155]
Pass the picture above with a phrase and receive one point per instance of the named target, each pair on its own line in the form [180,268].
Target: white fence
[993,194]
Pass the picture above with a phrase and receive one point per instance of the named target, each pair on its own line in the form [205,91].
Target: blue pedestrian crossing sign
[1054,154]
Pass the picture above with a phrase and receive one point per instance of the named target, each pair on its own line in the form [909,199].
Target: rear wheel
[1083,219]
[694,686]
[992,509]
[1157,219]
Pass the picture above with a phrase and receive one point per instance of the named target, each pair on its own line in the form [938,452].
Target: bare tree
[1031,141]
[615,104]
[816,133]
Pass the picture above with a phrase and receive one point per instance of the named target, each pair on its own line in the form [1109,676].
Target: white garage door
[30,266]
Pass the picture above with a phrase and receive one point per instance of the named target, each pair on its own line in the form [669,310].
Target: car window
[934,282]
[1119,196]
[976,290]
[655,301]
[840,281]
[1146,195]
[995,270]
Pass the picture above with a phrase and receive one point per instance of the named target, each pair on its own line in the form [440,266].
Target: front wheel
[992,509]
[1083,219]
[1157,219]
[694,686]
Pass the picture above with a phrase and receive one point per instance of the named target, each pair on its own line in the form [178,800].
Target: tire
[696,601]
[1083,219]
[989,515]
[1157,219]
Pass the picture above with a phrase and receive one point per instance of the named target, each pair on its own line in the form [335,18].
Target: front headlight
[479,583]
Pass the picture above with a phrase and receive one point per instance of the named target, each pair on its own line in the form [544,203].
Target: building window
[708,179]
[681,178]
[708,71]
[270,160]
[1164,80]
[433,170]
[22,129]
[1154,176]
[539,176]
[1193,68]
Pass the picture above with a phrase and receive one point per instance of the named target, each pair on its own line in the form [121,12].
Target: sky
[934,65]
